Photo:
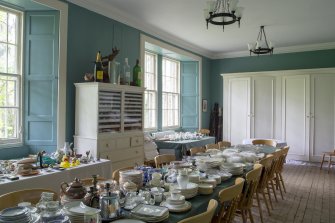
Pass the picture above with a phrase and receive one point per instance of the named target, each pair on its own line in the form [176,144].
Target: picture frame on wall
[204,105]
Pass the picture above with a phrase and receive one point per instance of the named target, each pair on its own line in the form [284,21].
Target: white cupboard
[109,122]
[296,106]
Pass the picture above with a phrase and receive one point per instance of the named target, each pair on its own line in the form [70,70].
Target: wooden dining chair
[279,181]
[116,173]
[204,132]
[29,195]
[272,176]
[224,144]
[263,183]
[205,217]
[196,150]
[268,142]
[328,155]
[212,146]
[246,201]
[164,159]
[229,198]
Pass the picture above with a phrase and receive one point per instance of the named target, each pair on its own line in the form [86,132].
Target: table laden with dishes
[145,194]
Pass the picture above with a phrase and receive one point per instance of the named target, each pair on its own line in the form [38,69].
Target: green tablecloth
[180,147]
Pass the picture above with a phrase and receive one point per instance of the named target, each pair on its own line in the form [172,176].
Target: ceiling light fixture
[262,45]
[223,12]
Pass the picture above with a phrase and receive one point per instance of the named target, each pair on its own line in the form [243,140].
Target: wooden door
[296,115]
[322,114]
[238,114]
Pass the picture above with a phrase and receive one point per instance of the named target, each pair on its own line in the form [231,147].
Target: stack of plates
[177,204]
[233,168]
[18,215]
[150,213]
[78,212]
[135,176]
[194,178]
[190,191]
[213,162]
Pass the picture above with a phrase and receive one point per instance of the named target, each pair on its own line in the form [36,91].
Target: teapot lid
[76,183]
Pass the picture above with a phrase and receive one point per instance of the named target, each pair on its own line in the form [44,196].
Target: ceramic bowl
[205,188]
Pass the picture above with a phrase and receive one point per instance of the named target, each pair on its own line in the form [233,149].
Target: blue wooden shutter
[189,96]
[41,79]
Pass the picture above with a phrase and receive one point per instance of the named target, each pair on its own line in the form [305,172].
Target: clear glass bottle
[126,72]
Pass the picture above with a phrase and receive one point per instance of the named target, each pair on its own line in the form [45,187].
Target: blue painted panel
[40,49]
[189,95]
[41,132]
[41,79]
[41,91]
[42,24]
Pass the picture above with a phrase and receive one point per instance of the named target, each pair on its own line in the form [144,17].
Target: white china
[177,208]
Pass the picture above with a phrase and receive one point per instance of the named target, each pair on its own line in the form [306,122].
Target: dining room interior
[167,111]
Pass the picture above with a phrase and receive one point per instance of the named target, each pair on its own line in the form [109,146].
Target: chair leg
[266,203]
[282,181]
[330,163]
[279,186]
[243,216]
[273,190]
[250,216]
[323,160]
[268,190]
[259,207]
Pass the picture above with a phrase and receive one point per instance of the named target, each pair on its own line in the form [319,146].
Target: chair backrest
[30,195]
[164,159]
[282,158]
[205,217]
[267,163]
[275,163]
[196,150]
[89,181]
[224,144]
[204,131]
[116,173]
[212,146]
[252,179]
[229,198]
[268,142]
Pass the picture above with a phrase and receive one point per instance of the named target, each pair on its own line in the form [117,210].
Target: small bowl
[209,181]
[205,188]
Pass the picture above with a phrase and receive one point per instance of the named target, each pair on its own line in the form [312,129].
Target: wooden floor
[310,196]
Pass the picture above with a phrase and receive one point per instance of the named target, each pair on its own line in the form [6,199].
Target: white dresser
[109,122]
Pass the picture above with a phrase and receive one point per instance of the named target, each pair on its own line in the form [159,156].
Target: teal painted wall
[89,32]
[289,61]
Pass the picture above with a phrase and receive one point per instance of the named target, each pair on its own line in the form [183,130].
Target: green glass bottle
[98,69]
[137,74]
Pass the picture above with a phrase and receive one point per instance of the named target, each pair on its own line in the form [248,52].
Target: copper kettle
[75,190]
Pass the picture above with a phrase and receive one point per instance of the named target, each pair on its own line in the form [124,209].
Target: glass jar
[45,198]
[52,212]
[109,206]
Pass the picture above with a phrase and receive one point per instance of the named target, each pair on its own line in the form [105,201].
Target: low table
[52,180]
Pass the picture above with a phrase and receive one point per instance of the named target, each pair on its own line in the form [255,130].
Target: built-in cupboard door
[262,107]
[296,115]
[322,114]
[238,113]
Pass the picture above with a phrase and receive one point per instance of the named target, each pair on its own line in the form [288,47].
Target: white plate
[149,210]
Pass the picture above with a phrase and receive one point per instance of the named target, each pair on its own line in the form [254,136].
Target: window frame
[154,91]
[7,143]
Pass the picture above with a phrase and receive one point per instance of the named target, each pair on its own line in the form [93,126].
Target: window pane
[12,59]
[3,58]
[150,98]
[8,86]
[8,123]
[3,26]
[12,29]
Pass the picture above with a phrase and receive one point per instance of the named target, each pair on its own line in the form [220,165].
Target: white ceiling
[291,25]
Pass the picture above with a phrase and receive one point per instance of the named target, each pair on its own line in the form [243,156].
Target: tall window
[10,76]
[150,94]
[170,93]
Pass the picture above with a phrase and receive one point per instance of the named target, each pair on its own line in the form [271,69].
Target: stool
[330,162]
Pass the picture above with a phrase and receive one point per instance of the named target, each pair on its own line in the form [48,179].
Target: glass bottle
[98,69]
[126,72]
[137,74]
